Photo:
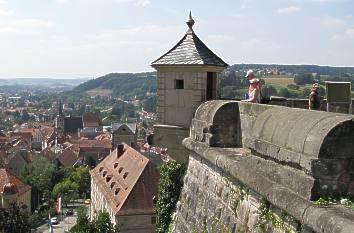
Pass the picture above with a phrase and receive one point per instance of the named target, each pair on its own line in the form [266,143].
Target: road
[65,224]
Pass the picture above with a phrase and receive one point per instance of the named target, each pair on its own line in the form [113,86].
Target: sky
[90,38]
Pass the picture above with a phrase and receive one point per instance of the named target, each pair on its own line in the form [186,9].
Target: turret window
[179,84]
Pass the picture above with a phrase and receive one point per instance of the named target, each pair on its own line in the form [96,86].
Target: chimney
[120,150]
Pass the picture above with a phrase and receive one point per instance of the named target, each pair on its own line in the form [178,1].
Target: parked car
[69,211]
[54,221]
[88,201]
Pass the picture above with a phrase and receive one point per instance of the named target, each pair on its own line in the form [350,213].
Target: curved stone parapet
[217,123]
[251,160]
[318,135]
[319,145]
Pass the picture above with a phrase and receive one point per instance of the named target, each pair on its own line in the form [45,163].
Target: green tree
[81,176]
[83,224]
[101,224]
[306,92]
[14,219]
[170,186]
[39,175]
[122,110]
[268,90]
[66,189]
[284,92]
[150,104]
[304,78]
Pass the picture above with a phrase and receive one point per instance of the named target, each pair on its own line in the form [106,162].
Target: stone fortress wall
[303,103]
[258,168]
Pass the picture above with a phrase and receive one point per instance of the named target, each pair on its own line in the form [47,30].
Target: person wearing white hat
[249,75]
[254,92]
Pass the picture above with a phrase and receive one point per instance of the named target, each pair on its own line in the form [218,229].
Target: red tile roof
[91,120]
[86,143]
[6,177]
[47,131]
[69,156]
[128,182]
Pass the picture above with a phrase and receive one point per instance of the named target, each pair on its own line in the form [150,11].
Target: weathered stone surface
[171,137]
[288,158]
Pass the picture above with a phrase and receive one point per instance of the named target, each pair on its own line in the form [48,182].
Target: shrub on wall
[170,186]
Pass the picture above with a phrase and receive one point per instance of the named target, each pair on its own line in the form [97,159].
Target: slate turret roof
[190,50]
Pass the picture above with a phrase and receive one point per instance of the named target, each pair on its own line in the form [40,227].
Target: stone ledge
[236,162]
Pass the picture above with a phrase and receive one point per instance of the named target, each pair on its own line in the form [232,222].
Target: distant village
[77,141]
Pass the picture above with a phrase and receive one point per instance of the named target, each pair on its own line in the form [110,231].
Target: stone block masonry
[266,169]
[213,201]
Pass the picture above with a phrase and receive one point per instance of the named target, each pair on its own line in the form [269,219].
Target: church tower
[187,75]
[59,120]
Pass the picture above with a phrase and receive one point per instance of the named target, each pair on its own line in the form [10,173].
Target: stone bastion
[259,168]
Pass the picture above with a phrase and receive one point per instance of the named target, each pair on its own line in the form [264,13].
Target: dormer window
[115,165]
[108,178]
[116,191]
[125,175]
[100,170]
[104,173]
[112,184]
[120,170]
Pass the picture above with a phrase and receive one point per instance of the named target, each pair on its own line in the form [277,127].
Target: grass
[99,92]
[282,80]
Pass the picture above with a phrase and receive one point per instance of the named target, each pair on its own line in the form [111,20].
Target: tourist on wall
[254,89]
[314,97]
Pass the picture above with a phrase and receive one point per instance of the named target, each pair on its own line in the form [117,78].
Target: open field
[282,80]
[99,92]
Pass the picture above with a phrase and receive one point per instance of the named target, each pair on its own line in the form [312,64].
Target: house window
[179,84]
[153,220]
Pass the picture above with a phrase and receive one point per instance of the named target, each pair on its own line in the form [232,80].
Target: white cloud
[142,3]
[347,34]
[120,50]
[32,23]
[253,44]
[246,4]
[289,9]
[217,39]
[3,9]
[4,12]
[331,22]
[25,26]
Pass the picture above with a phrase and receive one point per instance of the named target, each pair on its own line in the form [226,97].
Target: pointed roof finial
[190,22]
